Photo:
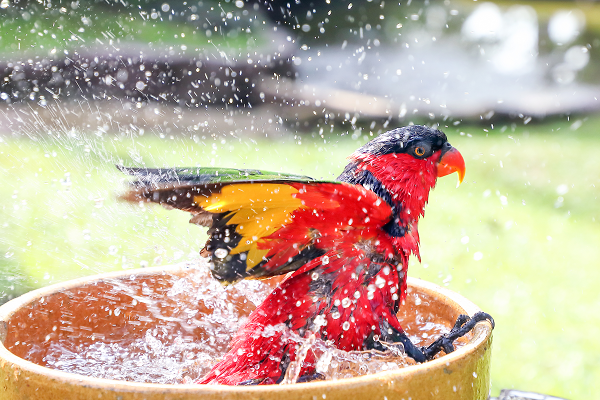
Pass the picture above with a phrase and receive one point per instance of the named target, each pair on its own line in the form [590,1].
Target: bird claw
[464,324]
[252,382]
[312,377]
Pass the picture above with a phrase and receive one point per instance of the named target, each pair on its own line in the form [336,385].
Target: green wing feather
[170,178]
[261,223]
[189,189]
[177,187]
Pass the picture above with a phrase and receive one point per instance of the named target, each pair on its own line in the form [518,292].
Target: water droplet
[324,260]
[221,253]
[346,325]
[447,280]
[320,320]
[380,282]
[346,302]
[562,189]
[335,315]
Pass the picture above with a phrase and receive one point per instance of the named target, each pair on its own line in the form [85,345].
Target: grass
[37,31]
[529,210]
[519,237]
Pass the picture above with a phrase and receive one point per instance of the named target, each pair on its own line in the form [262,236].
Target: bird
[344,245]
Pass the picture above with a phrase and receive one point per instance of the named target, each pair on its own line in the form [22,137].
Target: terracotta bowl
[112,307]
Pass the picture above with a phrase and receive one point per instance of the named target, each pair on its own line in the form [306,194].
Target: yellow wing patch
[259,210]
[249,195]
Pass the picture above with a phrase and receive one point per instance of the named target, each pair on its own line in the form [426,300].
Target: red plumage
[347,243]
[358,299]
[349,313]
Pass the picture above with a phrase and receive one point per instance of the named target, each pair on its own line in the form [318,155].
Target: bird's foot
[252,382]
[312,377]
[464,324]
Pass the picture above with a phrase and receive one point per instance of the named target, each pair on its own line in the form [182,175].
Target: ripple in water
[173,327]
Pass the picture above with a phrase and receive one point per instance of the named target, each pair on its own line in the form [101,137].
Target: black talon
[460,321]
[251,382]
[482,316]
[448,346]
[464,324]
[312,377]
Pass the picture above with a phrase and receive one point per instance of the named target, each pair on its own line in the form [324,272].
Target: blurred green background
[519,237]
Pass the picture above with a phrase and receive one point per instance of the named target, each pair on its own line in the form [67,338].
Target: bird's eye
[419,151]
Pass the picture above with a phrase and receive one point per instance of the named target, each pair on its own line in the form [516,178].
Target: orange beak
[451,161]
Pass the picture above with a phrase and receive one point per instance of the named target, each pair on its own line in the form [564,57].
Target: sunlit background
[296,87]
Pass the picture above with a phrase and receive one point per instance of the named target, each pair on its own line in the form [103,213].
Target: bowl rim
[480,335]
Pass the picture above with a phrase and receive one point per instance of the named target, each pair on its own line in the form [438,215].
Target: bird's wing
[263,223]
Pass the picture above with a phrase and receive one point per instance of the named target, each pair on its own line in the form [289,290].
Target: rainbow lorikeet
[346,242]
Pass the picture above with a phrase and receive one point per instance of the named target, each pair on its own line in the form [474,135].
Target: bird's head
[406,162]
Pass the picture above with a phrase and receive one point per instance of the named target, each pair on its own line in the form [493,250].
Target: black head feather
[399,140]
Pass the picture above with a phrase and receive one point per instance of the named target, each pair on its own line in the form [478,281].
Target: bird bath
[107,336]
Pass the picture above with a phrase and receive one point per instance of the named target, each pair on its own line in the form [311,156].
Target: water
[172,328]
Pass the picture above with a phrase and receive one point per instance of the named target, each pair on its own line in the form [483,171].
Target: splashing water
[173,327]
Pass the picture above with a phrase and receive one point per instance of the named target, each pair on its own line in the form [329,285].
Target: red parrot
[346,242]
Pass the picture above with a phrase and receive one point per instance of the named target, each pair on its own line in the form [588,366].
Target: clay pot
[112,307]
